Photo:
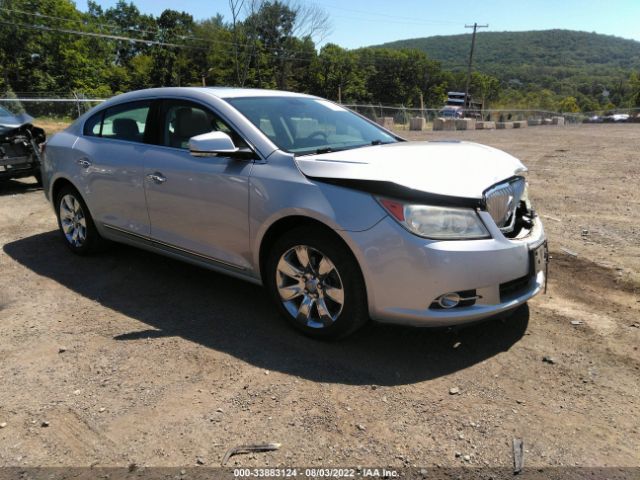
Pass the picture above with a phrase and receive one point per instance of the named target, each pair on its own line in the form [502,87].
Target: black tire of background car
[94,242]
[355,312]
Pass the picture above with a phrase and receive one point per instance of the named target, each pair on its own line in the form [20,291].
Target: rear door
[109,162]
[198,205]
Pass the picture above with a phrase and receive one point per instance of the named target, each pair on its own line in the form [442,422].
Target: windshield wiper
[326,150]
[329,149]
[321,150]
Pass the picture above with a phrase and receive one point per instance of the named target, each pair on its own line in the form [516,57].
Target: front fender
[277,192]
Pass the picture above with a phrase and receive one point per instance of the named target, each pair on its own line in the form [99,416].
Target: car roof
[220,92]
[231,92]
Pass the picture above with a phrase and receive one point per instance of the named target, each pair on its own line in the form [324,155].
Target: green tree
[275,22]
[174,66]
[569,105]
[634,88]
[485,88]
[338,76]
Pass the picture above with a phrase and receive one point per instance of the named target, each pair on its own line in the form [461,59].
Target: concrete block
[386,122]
[444,124]
[465,124]
[417,124]
[485,125]
[520,124]
[557,121]
[534,121]
[503,125]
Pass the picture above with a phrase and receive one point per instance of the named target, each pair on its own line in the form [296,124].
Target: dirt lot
[134,358]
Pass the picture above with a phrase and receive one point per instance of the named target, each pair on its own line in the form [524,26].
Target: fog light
[449,300]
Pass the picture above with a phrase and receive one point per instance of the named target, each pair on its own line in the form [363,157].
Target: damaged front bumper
[20,145]
[406,275]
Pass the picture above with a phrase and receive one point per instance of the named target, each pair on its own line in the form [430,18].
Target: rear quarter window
[93,125]
[127,121]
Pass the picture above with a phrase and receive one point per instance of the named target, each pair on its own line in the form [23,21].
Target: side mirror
[211,144]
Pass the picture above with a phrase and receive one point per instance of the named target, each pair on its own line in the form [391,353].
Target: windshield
[304,126]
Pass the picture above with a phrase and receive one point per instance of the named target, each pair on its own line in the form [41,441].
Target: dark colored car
[20,144]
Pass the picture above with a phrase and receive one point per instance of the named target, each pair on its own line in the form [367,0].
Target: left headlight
[438,223]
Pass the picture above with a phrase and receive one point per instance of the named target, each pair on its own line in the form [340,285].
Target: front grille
[13,149]
[16,162]
[502,200]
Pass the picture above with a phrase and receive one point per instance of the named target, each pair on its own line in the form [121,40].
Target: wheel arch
[58,184]
[283,225]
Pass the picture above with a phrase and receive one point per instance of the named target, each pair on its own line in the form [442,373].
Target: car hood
[11,122]
[452,168]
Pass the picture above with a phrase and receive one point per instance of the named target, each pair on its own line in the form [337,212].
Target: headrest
[190,123]
[125,127]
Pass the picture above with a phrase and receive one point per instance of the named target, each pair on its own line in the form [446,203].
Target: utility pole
[475,27]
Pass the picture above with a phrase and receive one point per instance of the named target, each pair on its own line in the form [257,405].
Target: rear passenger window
[122,122]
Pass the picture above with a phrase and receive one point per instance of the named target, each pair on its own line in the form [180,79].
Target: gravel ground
[129,357]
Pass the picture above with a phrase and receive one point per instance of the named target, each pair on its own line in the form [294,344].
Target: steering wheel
[318,133]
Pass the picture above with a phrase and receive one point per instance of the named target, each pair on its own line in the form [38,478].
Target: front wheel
[75,222]
[317,284]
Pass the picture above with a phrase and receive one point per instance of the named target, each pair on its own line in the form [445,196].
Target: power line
[100,35]
[128,38]
[83,22]
[308,58]
[385,21]
[302,58]
[386,16]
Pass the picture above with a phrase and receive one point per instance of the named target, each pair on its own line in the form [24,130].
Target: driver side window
[183,120]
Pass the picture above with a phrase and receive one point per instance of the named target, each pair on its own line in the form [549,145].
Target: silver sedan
[341,220]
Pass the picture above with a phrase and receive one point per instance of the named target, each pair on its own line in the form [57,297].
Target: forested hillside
[51,47]
[564,61]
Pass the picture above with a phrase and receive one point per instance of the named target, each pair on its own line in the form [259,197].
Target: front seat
[189,123]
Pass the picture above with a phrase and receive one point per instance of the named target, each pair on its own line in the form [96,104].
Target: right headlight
[438,223]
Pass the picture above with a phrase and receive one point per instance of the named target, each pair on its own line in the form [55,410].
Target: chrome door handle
[156,178]
[83,162]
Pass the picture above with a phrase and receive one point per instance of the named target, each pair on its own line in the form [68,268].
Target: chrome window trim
[103,108]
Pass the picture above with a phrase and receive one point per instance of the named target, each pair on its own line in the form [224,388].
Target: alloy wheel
[310,286]
[73,220]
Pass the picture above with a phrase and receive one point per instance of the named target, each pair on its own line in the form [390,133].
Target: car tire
[317,284]
[75,223]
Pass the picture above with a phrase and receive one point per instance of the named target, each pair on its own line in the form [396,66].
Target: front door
[199,205]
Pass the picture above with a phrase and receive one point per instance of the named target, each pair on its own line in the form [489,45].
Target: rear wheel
[317,284]
[75,222]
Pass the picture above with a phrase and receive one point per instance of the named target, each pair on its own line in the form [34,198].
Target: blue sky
[357,23]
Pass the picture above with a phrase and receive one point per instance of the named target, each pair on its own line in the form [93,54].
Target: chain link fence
[402,116]
[48,105]
[65,107]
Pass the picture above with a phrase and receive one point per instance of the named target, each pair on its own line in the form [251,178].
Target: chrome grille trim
[502,200]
